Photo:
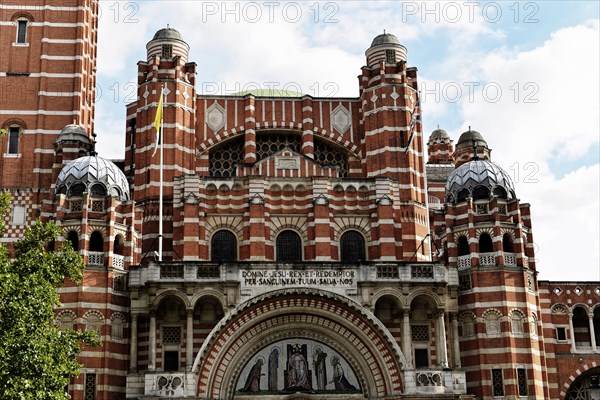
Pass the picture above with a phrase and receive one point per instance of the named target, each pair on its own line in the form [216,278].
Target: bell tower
[393,145]
[487,234]
[166,69]
[47,81]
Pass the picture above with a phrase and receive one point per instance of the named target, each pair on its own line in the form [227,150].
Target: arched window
[78,189]
[96,241]
[500,192]
[533,327]
[481,192]
[116,328]
[507,245]
[468,325]
[352,247]
[93,322]
[98,190]
[14,134]
[386,309]
[462,195]
[463,246]
[66,320]
[223,247]
[118,245]
[289,247]
[492,324]
[516,323]
[485,243]
[73,237]
[22,25]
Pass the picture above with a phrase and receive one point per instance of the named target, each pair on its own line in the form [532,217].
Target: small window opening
[22,31]
[167,51]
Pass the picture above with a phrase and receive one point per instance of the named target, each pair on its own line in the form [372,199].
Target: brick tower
[166,67]
[47,81]
[486,232]
[393,146]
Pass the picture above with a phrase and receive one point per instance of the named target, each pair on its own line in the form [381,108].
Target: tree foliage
[37,358]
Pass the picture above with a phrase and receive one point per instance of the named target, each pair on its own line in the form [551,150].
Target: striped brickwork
[103,293]
[45,83]
[572,308]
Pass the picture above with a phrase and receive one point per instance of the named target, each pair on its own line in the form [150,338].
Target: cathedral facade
[309,247]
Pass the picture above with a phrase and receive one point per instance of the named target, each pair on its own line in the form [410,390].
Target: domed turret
[440,148]
[73,133]
[469,139]
[470,146]
[95,175]
[439,136]
[167,43]
[479,179]
[385,47]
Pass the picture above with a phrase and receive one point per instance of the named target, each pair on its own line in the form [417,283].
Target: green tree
[37,358]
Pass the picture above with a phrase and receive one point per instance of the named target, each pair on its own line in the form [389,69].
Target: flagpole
[429,237]
[160,195]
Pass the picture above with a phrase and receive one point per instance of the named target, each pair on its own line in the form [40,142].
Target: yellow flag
[157,121]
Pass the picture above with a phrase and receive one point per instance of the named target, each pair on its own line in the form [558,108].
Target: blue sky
[532,68]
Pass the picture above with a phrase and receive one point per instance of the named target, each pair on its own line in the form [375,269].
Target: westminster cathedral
[310,247]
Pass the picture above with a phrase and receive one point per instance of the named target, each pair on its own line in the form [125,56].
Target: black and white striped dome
[94,175]
[479,179]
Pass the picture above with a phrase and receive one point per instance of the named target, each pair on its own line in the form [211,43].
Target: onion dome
[439,136]
[385,47]
[167,43]
[470,139]
[479,179]
[94,175]
[73,133]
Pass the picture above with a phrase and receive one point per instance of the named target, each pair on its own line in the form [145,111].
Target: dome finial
[93,152]
[384,31]
[168,27]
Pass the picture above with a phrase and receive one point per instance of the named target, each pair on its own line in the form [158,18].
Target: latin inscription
[283,278]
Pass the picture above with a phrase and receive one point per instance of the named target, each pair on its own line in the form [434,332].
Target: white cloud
[561,74]
[562,77]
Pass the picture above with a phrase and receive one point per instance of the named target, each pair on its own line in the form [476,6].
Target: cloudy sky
[523,74]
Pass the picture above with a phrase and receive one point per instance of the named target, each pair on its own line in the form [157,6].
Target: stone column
[441,337]
[592,333]
[152,340]
[308,147]
[406,338]
[257,216]
[455,341]
[189,341]
[572,331]
[250,130]
[133,343]
[321,222]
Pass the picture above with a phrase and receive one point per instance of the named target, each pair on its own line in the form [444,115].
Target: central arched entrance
[299,325]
